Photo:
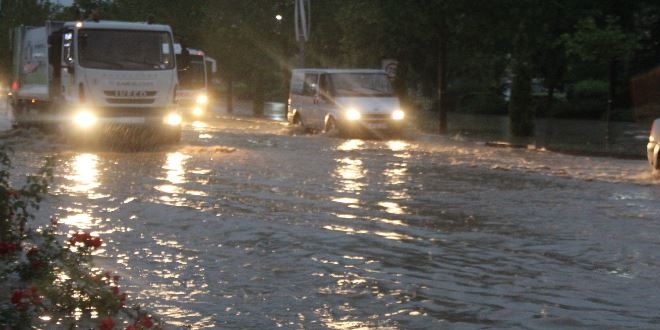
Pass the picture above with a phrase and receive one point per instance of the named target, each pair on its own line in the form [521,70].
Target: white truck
[347,101]
[85,75]
[195,70]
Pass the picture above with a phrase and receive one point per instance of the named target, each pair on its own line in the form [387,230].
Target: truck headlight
[202,99]
[84,119]
[398,114]
[173,119]
[353,114]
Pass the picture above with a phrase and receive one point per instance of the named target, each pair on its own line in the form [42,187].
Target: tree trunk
[230,93]
[521,111]
[521,114]
[259,95]
[441,104]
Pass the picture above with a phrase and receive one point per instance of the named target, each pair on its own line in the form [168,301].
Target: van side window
[311,84]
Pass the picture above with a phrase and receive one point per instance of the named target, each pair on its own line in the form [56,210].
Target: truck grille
[130,97]
[129,112]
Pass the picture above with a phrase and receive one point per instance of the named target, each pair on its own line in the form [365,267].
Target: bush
[46,281]
[590,89]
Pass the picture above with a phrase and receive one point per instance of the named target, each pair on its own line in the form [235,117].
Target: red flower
[85,239]
[107,324]
[119,295]
[22,299]
[146,322]
[35,259]
[13,193]
[17,297]
[7,248]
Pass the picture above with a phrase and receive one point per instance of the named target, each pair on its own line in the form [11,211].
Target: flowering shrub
[45,282]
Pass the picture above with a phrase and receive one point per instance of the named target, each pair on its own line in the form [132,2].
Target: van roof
[321,70]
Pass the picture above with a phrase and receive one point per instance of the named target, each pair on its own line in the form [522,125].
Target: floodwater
[249,224]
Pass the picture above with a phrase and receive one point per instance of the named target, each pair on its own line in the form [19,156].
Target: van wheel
[296,120]
[331,127]
[297,124]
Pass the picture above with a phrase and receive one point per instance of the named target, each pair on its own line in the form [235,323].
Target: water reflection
[84,173]
[80,220]
[350,173]
[174,174]
[396,176]
[200,127]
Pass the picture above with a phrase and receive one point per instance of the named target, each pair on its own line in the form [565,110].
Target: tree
[605,46]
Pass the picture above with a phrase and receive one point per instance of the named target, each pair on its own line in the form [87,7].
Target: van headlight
[202,99]
[173,119]
[398,114]
[353,114]
[84,119]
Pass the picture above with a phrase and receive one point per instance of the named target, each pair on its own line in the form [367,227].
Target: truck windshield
[193,75]
[360,84]
[125,49]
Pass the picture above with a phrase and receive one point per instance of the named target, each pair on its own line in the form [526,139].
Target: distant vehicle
[80,76]
[195,70]
[346,101]
[653,147]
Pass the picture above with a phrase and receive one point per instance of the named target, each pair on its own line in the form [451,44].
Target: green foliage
[591,43]
[590,88]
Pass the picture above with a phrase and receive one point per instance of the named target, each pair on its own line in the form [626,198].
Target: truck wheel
[18,115]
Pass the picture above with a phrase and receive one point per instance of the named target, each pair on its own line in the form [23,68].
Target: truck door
[67,69]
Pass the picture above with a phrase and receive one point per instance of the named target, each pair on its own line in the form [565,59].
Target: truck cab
[81,75]
[194,69]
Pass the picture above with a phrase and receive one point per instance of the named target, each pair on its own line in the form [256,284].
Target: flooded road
[249,224]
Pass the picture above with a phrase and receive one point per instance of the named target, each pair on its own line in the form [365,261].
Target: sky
[63,2]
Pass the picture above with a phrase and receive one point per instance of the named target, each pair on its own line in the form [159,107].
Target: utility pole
[302,23]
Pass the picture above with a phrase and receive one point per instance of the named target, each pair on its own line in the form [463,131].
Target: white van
[347,101]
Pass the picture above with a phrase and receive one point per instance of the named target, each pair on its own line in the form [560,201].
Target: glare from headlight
[173,119]
[352,114]
[202,99]
[84,119]
[197,111]
[398,114]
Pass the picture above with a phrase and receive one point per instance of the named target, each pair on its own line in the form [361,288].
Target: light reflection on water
[174,167]
[84,175]
[175,175]
[84,179]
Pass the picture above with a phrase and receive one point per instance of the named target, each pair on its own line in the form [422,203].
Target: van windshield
[360,84]
[125,49]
